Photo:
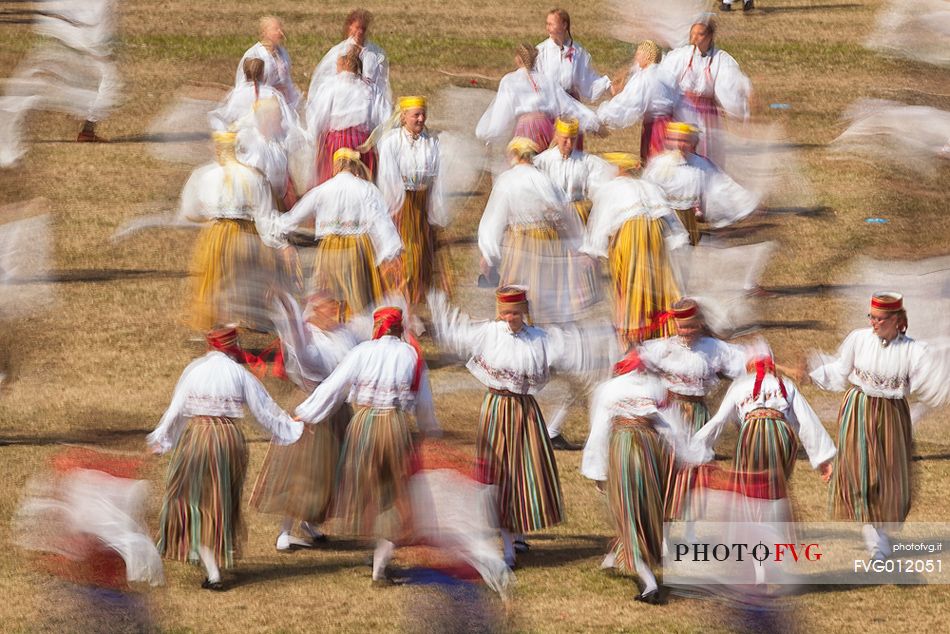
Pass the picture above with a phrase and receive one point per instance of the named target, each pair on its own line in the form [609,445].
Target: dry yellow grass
[99,367]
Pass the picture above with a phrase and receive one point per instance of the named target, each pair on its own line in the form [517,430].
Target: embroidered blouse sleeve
[270,416]
[815,439]
[332,392]
[831,373]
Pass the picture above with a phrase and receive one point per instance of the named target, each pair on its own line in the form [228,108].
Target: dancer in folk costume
[201,510]
[529,232]
[270,50]
[695,188]
[514,361]
[384,380]
[298,481]
[373,67]
[689,364]
[629,454]
[357,254]
[343,114]
[633,227]
[880,367]
[243,99]
[711,81]
[234,267]
[259,145]
[527,104]
[650,96]
[774,419]
[408,177]
[576,172]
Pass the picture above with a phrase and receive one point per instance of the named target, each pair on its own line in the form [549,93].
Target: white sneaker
[610,561]
[287,542]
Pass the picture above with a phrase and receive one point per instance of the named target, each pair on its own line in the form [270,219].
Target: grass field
[98,368]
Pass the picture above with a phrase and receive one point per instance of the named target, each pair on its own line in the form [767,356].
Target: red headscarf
[763,365]
[226,340]
[630,362]
[384,319]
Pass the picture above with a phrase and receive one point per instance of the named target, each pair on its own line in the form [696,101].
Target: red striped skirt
[653,137]
[538,127]
[708,113]
[334,140]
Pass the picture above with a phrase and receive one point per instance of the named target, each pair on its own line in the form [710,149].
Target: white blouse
[521,92]
[649,93]
[345,101]
[500,359]
[231,191]
[579,175]
[346,205]
[715,74]
[631,395]
[570,67]
[265,155]
[408,164]
[893,371]
[240,103]
[620,200]
[376,373]
[738,402]
[216,385]
[276,72]
[525,196]
[375,70]
[692,371]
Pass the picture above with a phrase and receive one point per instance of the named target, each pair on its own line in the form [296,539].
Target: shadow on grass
[90,437]
[808,7]
[802,324]
[248,575]
[169,137]
[99,275]
[805,212]
[551,551]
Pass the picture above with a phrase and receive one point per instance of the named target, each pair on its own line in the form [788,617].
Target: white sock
[509,546]
[211,566]
[610,561]
[287,525]
[646,575]
[381,556]
[556,422]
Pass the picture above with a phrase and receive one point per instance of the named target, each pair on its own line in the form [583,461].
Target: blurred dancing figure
[384,380]
[527,104]
[343,114]
[649,95]
[234,267]
[373,67]
[72,70]
[689,364]
[576,172]
[565,61]
[201,510]
[270,50]
[358,244]
[633,227]
[514,361]
[879,367]
[409,166]
[629,454]
[711,80]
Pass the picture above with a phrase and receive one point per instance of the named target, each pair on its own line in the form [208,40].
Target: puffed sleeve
[388,175]
[597,237]
[303,211]
[594,461]
[816,441]
[190,207]
[629,106]
[498,121]
[382,231]
[491,228]
[831,373]
[172,423]
[702,444]
[324,70]
[318,112]
[599,173]
[590,86]
[732,88]
[570,107]
[271,417]
[731,359]
[584,352]
[330,394]
[930,373]
[454,329]
[438,212]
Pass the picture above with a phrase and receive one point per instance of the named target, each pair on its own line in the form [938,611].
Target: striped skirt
[691,223]
[418,241]
[336,139]
[233,272]
[765,455]
[653,137]
[202,503]
[538,127]
[639,465]
[513,451]
[643,280]
[583,207]
[373,498]
[872,480]
[345,268]
[299,480]
[684,500]
[708,113]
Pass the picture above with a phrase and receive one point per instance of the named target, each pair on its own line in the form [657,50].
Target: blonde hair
[650,51]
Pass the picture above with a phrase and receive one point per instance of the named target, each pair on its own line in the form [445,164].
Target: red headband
[384,319]
[630,362]
[887,301]
[686,312]
[762,366]
[511,296]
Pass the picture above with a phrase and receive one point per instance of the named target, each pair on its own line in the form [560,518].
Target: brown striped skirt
[684,500]
[765,455]
[513,451]
[418,241]
[202,502]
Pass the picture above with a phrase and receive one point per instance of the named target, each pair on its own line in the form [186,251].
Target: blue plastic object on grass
[876,221]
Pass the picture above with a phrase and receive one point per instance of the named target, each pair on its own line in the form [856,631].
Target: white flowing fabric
[375,69]
[411,164]
[715,74]
[276,72]
[649,92]
[571,68]
[579,175]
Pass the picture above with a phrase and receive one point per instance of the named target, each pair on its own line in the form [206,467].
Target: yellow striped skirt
[345,267]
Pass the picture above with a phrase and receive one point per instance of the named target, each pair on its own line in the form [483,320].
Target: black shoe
[723,7]
[650,598]
[748,5]
[383,582]
[562,443]
[216,586]
[521,546]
